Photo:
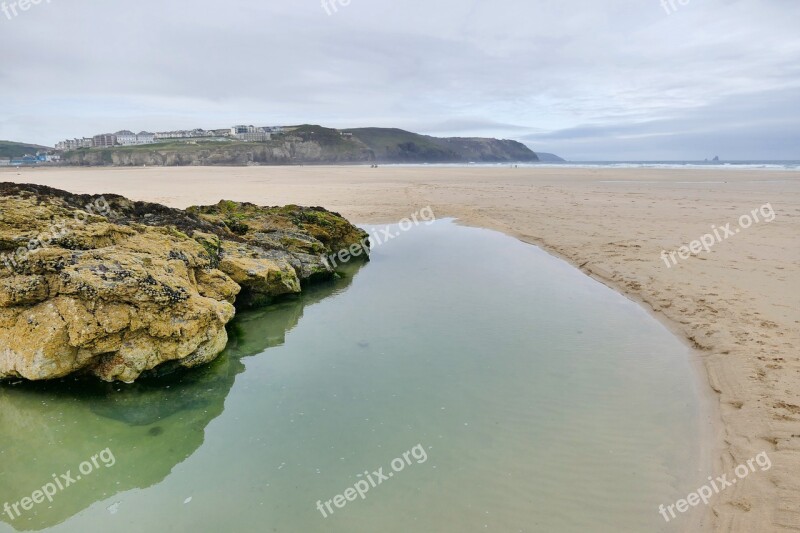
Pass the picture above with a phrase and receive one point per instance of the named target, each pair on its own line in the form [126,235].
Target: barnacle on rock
[144,285]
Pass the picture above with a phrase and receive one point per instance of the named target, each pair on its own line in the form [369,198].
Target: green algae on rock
[106,286]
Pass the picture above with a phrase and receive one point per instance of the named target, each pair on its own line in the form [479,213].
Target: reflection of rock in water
[150,426]
[152,400]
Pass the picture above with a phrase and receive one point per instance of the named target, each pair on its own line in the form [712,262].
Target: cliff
[312,145]
[399,146]
[544,157]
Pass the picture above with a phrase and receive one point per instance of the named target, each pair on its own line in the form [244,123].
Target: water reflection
[151,426]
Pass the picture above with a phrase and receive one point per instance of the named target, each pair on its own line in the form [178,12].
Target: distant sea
[703,165]
[748,165]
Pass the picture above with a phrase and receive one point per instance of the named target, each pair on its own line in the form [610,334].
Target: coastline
[729,305]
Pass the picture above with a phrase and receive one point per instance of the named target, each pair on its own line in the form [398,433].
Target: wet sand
[738,304]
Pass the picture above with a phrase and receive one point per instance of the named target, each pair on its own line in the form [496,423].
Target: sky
[588,80]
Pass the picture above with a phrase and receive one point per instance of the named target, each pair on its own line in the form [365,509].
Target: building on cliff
[104,140]
[125,138]
[251,133]
[128,138]
[74,144]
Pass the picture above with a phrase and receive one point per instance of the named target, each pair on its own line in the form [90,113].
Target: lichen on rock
[111,287]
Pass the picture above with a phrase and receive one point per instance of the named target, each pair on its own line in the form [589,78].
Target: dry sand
[738,305]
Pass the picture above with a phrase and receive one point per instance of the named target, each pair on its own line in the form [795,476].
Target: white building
[125,138]
[184,134]
[145,137]
[253,137]
[128,138]
[74,144]
[251,133]
[170,135]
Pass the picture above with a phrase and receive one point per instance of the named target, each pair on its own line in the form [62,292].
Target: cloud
[585,77]
[733,128]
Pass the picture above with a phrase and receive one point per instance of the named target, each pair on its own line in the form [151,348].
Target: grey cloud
[583,78]
[734,128]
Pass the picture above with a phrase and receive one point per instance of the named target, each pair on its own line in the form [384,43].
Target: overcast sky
[586,79]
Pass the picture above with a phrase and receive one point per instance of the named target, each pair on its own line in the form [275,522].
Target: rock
[282,248]
[115,288]
[150,426]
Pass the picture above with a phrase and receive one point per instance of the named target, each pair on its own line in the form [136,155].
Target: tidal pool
[541,401]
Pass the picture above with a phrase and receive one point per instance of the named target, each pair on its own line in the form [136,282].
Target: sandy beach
[737,304]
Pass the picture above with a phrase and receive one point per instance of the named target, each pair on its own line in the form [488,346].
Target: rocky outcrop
[154,422]
[115,288]
[281,248]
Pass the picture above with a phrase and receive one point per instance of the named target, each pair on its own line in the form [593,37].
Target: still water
[524,395]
